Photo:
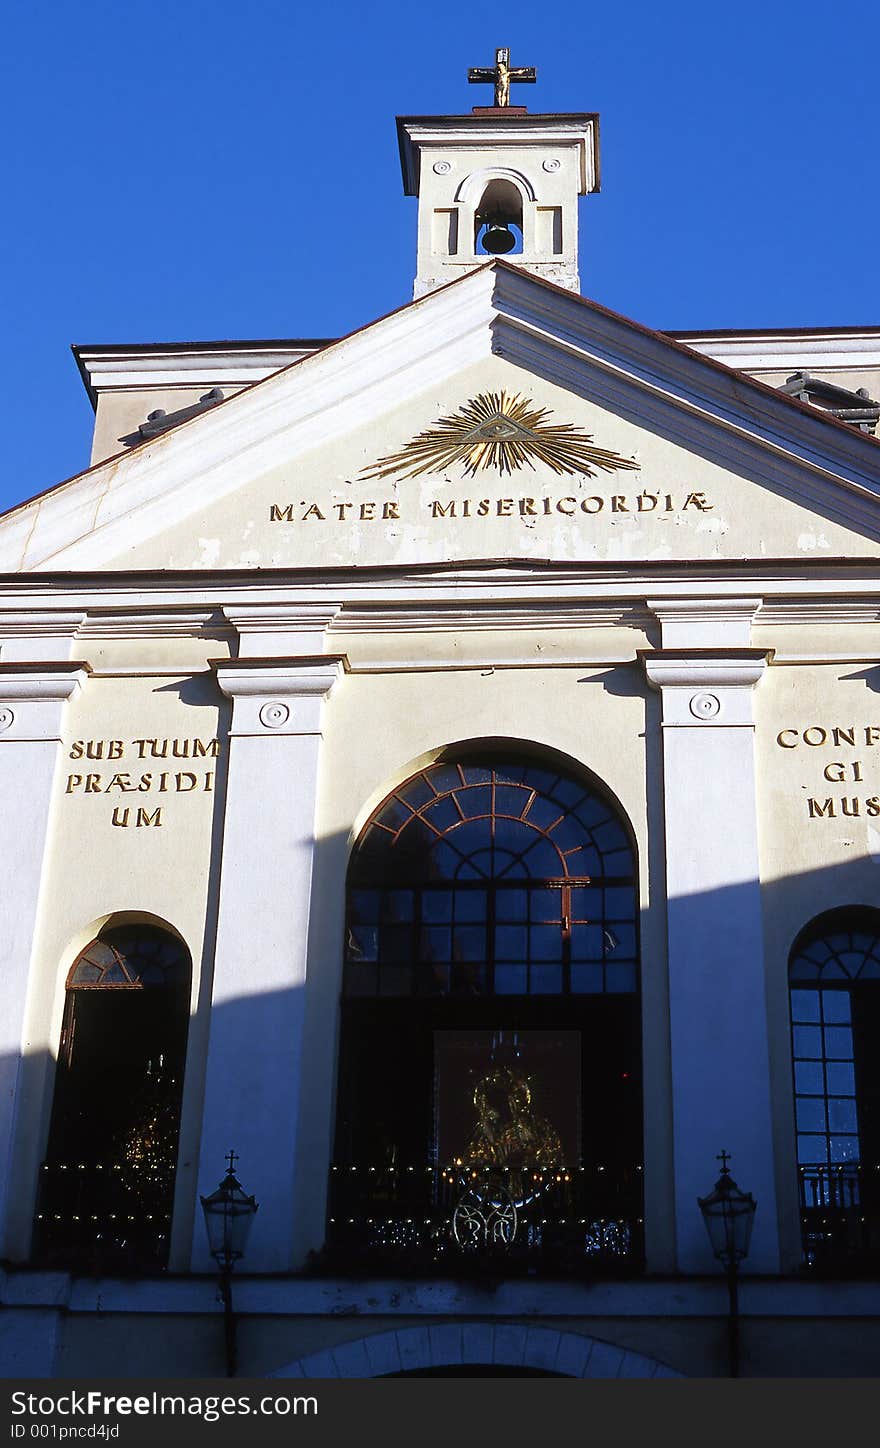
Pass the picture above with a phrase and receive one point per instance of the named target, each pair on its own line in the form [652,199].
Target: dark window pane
[397,906]
[468,979]
[569,793]
[838,1042]
[620,940]
[511,905]
[615,862]
[586,942]
[512,836]
[361,980]
[844,1148]
[545,905]
[417,792]
[610,836]
[86,973]
[396,944]
[476,773]
[586,903]
[805,1005]
[812,1149]
[511,942]
[445,777]
[510,979]
[620,977]
[436,943]
[587,979]
[808,1077]
[811,1114]
[471,836]
[841,1078]
[363,942]
[444,861]
[442,815]
[541,859]
[470,905]
[395,980]
[836,1006]
[543,812]
[393,814]
[545,942]
[545,980]
[842,1114]
[432,978]
[468,943]
[510,800]
[620,903]
[436,905]
[475,802]
[808,1042]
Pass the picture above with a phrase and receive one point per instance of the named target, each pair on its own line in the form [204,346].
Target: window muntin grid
[826,971]
[492,878]
[130,957]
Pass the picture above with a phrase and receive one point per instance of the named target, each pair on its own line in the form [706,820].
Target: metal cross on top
[501,75]
[231,1159]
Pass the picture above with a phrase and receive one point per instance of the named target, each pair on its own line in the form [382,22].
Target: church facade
[442,766]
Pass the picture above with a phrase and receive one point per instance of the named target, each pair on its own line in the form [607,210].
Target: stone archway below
[496,1345]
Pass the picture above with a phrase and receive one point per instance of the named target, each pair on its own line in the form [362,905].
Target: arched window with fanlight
[107,1184]
[490,1068]
[834,978]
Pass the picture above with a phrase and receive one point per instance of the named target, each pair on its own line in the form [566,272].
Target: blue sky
[193,171]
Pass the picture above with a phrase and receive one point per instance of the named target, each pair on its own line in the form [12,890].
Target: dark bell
[498,238]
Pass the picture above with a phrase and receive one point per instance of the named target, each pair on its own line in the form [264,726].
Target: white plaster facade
[689,632]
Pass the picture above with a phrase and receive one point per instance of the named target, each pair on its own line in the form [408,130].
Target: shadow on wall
[727,1016]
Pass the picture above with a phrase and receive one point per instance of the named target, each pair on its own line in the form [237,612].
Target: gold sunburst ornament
[501,431]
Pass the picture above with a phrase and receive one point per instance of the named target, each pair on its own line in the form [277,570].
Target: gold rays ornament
[501,431]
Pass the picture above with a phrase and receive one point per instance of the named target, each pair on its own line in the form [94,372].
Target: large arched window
[834,976]
[490,1021]
[107,1184]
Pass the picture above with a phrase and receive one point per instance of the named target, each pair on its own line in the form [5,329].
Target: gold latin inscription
[568,505]
[838,738]
[114,781]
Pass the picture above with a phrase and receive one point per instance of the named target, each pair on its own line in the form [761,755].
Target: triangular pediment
[499,417]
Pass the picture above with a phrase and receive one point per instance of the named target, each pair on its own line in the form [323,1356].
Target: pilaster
[717,1001]
[253,1081]
[32,702]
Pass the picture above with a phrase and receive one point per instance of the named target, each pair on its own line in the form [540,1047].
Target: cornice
[579,128]
[126,369]
[834,350]
[692,401]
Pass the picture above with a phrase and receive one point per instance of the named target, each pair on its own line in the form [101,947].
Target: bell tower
[499,182]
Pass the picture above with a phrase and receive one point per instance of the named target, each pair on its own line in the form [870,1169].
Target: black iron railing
[840,1219]
[462,1220]
[102,1216]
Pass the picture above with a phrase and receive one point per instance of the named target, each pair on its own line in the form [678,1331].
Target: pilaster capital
[701,687]
[280,629]
[32,697]
[700,623]
[274,696]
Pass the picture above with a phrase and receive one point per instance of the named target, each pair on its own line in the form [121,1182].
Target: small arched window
[107,1184]
[834,978]
[490,1008]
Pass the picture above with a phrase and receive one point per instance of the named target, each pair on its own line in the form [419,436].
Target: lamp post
[229,1213]
[729,1215]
